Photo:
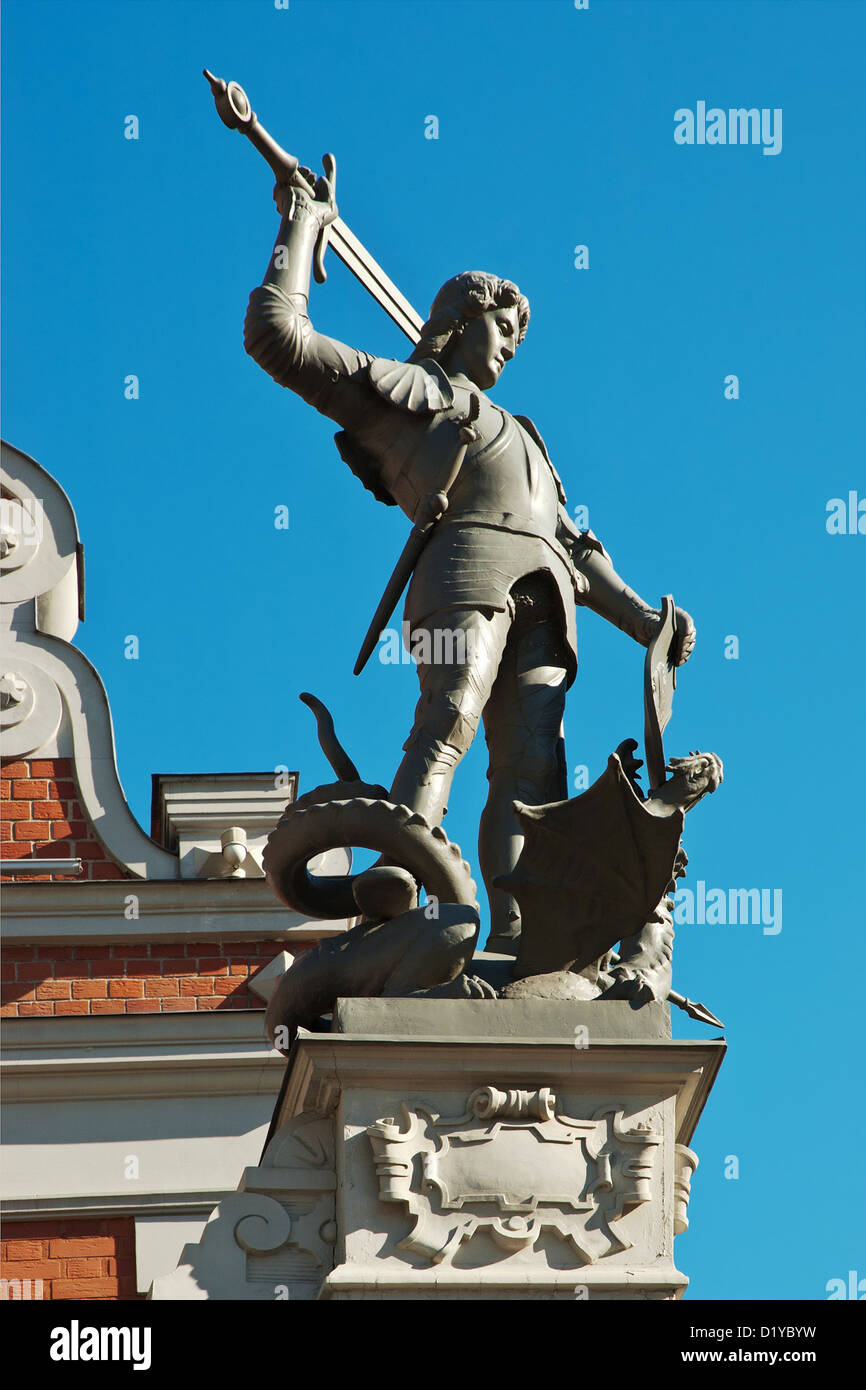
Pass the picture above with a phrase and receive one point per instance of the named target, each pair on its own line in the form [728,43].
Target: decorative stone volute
[41,556]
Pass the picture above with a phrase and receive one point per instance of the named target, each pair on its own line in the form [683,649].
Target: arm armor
[611,597]
[279,336]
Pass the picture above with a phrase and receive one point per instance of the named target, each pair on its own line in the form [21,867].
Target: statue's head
[476,324]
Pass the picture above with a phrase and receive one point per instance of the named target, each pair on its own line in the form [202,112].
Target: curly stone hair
[463,297]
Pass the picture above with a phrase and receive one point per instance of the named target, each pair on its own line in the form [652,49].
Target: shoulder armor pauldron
[416,387]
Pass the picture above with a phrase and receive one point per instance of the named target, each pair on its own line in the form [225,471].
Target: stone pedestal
[471,1149]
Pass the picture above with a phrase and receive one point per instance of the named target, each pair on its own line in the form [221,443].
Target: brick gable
[41,817]
[73,1259]
[132,978]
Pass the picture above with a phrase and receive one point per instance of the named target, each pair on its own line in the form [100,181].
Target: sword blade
[357,259]
[396,584]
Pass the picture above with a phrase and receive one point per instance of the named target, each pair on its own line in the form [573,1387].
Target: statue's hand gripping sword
[234,110]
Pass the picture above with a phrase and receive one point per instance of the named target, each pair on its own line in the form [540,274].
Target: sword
[234,111]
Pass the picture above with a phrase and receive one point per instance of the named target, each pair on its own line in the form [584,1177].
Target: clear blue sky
[555,129]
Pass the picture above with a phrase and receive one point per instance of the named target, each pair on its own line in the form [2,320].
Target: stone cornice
[196,802]
[176,910]
[160,1034]
[323,1063]
[138,1056]
[163,1204]
[193,812]
[356,1279]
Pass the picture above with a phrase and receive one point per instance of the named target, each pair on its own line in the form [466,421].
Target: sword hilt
[329,168]
[234,110]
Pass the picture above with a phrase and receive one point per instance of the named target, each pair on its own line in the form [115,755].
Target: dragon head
[691,778]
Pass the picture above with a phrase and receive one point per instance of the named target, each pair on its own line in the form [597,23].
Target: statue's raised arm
[278,333]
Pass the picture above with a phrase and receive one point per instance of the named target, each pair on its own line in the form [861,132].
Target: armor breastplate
[501,522]
[504,472]
[506,476]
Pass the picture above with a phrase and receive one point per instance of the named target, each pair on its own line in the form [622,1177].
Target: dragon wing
[591,872]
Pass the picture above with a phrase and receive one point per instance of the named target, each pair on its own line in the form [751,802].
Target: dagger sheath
[411,553]
[433,507]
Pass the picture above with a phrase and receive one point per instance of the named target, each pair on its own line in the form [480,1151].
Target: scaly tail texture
[398,948]
[332,817]
[354,813]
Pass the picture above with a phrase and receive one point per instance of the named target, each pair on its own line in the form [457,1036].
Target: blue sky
[555,129]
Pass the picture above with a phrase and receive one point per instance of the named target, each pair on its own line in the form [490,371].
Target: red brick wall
[41,817]
[135,978]
[74,1259]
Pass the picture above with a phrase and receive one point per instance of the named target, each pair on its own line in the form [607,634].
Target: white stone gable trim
[89,720]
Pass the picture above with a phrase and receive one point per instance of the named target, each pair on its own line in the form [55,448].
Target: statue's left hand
[685,635]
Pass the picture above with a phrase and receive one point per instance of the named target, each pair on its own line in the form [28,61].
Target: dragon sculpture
[595,870]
